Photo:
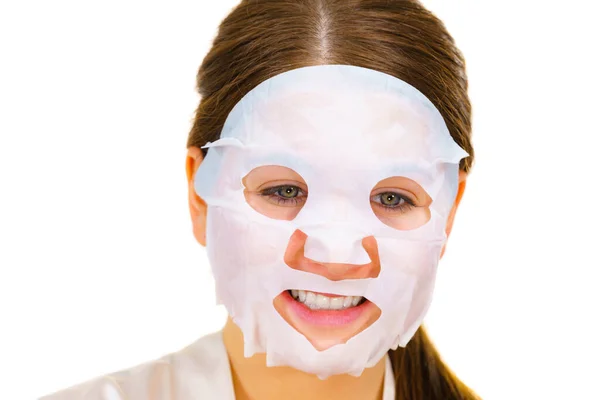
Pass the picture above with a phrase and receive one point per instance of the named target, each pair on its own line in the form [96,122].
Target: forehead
[352,122]
[341,111]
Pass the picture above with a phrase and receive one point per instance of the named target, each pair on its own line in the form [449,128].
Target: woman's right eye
[284,195]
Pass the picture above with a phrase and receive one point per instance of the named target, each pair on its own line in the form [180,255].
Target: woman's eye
[286,195]
[392,201]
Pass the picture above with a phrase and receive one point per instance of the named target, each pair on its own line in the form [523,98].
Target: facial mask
[342,129]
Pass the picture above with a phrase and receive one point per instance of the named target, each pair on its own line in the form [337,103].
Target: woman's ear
[197,205]
[462,182]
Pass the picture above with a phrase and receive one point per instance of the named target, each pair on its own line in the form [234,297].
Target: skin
[251,374]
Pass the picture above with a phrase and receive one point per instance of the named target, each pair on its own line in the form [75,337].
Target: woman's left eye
[284,195]
[392,201]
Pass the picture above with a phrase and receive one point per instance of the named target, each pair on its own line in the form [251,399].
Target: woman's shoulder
[198,371]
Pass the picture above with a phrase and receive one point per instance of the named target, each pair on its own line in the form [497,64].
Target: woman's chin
[326,323]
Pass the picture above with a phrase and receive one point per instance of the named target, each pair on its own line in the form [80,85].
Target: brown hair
[263,38]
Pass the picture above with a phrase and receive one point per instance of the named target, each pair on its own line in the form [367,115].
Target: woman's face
[277,192]
[328,191]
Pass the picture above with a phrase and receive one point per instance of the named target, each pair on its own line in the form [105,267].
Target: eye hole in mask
[401,203]
[276,192]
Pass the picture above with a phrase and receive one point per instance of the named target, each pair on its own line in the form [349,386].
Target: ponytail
[420,373]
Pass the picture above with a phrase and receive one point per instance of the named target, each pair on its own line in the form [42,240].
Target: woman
[305,104]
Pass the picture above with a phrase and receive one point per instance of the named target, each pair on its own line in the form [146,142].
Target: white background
[99,268]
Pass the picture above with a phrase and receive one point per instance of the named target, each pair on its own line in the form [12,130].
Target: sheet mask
[343,129]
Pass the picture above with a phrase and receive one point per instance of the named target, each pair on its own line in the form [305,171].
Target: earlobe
[462,183]
[197,206]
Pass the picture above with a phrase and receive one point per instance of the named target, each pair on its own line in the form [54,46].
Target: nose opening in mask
[401,203]
[366,264]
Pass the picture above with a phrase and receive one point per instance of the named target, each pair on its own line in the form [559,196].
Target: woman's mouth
[322,309]
[325,319]
[318,301]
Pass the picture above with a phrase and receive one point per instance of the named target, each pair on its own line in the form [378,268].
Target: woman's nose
[296,257]
[335,245]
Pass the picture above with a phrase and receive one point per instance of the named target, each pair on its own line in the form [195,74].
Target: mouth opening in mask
[326,319]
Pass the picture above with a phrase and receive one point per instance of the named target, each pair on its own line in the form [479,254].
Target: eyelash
[272,194]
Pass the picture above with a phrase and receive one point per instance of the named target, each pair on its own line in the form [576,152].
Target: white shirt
[199,371]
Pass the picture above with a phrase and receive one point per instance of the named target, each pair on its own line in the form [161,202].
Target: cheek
[415,258]
[235,242]
[420,301]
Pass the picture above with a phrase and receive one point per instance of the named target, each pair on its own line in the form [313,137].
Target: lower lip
[326,317]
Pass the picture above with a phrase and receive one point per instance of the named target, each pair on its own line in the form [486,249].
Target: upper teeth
[316,301]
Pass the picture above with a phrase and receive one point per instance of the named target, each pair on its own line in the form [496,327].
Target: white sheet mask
[343,129]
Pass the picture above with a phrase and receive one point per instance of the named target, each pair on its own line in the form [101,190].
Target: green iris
[288,192]
[390,199]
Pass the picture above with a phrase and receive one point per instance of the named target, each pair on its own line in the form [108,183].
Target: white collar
[389,383]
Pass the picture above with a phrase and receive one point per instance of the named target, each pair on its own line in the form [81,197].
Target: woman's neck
[252,379]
